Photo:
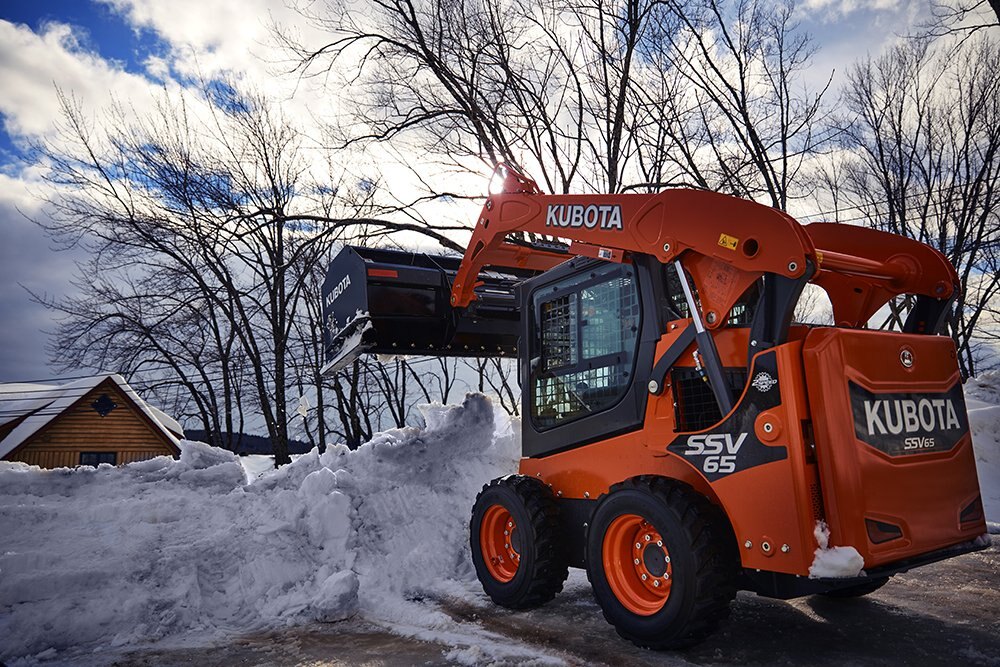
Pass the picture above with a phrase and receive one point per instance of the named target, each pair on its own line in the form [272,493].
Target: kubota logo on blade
[604,216]
[338,290]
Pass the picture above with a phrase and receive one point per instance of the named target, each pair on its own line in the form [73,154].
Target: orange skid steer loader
[682,437]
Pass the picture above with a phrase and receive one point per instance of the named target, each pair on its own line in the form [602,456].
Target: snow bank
[982,397]
[833,562]
[118,556]
[112,556]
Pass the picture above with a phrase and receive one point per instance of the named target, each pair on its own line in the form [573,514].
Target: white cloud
[845,7]
[33,64]
[209,38]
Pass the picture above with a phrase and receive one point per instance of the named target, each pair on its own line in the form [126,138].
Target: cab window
[589,326]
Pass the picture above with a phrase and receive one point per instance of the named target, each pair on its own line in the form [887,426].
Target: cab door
[590,330]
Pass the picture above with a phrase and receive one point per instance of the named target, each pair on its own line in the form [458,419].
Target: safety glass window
[589,326]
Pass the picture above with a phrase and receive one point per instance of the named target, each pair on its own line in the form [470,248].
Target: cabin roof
[40,404]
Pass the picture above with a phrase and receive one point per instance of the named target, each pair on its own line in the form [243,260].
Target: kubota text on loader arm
[682,437]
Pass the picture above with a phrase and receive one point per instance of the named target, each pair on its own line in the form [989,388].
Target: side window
[97,458]
[589,327]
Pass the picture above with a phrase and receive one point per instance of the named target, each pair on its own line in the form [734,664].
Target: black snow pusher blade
[392,302]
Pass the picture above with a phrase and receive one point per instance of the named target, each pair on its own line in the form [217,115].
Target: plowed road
[942,614]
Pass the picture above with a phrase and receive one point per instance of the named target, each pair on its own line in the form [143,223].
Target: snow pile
[982,399]
[833,562]
[114,556]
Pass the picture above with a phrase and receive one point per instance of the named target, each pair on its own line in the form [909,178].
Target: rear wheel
[516,543]
[662,562]
[857,591]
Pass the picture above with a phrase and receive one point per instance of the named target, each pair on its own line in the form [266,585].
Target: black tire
[857,591]
[702,557]
[542,566]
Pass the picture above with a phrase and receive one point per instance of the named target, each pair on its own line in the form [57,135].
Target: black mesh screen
[695,407]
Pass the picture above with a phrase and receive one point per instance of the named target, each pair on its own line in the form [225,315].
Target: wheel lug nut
[506,533]
[636,561]
[666,559]
[644,577]
[647,537]
[510,524]
[638,545]
[656,583]
[666,576]
[659,543]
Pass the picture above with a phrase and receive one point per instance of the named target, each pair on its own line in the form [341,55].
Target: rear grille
[817,502]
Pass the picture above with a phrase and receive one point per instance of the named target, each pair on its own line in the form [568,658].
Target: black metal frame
[787,586]
[629,412]
[775,309]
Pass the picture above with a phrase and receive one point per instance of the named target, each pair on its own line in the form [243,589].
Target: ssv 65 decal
[732,446]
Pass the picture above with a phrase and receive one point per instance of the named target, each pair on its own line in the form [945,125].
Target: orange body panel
[771,505]
[919,489]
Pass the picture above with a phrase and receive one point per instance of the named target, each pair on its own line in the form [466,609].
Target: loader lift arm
[410,303]
[724,243]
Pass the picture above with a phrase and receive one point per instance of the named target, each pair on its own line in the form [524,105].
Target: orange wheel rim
[637,564]
[499,542]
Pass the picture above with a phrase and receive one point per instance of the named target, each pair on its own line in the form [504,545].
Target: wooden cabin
[90,421]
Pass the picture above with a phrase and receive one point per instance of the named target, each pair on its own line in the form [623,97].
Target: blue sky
[101,29]
[130,48]
[98,28]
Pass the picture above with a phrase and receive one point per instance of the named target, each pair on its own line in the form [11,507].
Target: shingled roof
[38,404]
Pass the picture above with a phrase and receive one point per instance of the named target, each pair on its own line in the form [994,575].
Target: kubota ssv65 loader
[682,437]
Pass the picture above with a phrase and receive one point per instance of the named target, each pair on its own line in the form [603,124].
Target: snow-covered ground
[982,398]
[112,556]
[92,559]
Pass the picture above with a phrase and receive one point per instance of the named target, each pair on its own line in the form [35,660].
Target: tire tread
[551,566]
[714,548]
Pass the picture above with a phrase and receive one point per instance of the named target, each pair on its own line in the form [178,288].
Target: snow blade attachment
[391,302]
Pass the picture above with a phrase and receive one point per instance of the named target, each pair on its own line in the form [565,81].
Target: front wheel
[662,562]
[516,542]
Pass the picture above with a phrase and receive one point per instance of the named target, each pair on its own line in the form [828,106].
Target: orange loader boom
[730,242]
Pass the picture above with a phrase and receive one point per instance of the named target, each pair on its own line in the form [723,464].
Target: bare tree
[201,212]
[923,143]
[162,333]
[731,111]
[962,17]
[586,94]
[498,377]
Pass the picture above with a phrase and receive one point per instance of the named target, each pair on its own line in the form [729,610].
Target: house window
[97,458]
[589,329]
